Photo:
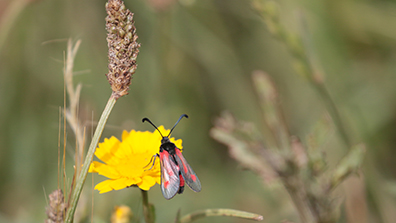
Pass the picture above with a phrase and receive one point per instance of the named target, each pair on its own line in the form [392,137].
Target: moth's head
[165,139]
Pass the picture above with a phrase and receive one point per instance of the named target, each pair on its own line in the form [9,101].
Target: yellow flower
[121,214]
[127,162]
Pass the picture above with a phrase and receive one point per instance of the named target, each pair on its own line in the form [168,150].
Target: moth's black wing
[187,172]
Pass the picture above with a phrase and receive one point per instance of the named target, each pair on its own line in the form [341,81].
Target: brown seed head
[57,208]
[123,47]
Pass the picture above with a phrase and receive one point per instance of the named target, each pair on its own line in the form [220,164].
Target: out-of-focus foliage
[196,57]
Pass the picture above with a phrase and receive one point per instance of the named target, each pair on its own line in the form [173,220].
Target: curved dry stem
[220,212]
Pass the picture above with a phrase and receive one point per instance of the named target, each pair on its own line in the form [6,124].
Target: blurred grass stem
[9,17]
[332,109]
[91,150]
[302,63]
[295,188]
[273,115]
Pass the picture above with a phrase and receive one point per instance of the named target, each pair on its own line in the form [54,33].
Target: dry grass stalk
[71,112]
[304,175]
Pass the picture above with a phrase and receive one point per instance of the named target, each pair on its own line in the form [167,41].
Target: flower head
[129,162]
[123,47]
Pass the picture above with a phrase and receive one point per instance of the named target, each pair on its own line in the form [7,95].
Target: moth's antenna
[181,116]
[146,119]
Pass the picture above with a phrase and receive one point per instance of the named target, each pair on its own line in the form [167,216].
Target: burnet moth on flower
[175,171]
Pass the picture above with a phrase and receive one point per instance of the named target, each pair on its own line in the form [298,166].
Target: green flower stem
[148,210]
[88,159]
[220,212]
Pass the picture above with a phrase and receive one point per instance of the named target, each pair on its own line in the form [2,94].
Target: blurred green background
[196,57]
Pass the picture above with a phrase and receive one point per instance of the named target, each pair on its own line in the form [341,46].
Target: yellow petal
[104,170]
[92,168]
[158,180]
[147,183]
[155,175]
[130,169]
[143,142]
[133,181]
[106,150]
[125,134]
[104,186]
[119,184]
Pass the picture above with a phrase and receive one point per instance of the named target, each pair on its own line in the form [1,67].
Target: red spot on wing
[190,178]
[166,184]
[185,168]
[181,181]
[178,153]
